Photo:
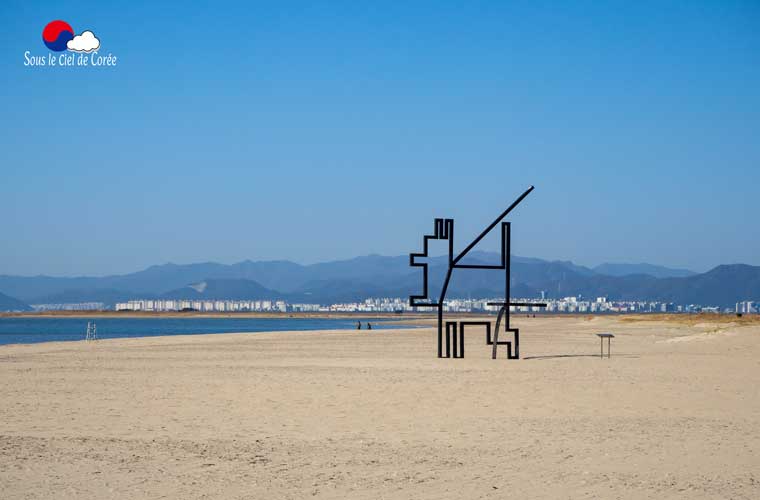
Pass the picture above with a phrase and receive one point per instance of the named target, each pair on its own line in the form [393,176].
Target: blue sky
[316,131]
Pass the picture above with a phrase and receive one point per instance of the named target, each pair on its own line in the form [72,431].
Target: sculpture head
[443,230]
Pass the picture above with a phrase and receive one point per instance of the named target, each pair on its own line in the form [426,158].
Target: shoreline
[411,318]
[391,321]
[192,337]
[387,324]
[219,315]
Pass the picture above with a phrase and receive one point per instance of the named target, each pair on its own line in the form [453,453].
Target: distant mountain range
[377,276]
[11,304]
[651,270]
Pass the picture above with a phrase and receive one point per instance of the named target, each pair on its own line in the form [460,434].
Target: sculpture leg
[496,334]
[440,333]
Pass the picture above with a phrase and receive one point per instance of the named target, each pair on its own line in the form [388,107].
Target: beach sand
[675,413]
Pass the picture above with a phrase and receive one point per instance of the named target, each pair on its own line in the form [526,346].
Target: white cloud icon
[86,42]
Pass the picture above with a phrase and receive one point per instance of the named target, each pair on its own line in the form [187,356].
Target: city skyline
[570,304]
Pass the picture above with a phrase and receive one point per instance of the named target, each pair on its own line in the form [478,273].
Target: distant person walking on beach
[358,325]
[369,325]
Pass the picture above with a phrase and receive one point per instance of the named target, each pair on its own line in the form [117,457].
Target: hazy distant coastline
[376,276]
[199,314]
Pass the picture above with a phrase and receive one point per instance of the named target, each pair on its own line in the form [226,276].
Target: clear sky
[313,131]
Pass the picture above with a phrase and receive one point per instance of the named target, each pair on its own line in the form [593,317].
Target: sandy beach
[675,413]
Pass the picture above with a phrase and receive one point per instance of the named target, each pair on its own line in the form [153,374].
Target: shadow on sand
[555,356]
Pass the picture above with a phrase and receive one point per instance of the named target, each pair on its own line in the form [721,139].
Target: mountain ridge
[390,276]
[624,269]
[8,303]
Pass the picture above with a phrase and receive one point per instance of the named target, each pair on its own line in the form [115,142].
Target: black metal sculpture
[444,230]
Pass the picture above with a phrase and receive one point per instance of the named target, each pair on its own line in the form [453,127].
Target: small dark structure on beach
[443,229]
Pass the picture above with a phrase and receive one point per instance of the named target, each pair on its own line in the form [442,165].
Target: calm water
[31,330]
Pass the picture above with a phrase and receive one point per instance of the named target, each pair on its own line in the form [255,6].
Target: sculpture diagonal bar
[443,229]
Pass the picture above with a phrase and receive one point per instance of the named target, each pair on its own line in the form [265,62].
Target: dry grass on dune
[695,319]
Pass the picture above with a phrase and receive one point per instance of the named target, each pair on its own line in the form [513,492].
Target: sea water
[26,330]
